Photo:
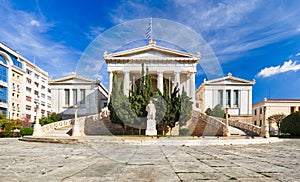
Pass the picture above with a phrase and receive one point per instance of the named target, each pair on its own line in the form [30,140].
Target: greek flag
[148,34]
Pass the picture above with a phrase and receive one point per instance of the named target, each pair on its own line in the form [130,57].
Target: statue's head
[150,101]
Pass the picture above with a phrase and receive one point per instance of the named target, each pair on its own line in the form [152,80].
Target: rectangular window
[255,112]
[293,109]
[260,110]
[260,123]
[67,97]
[75,96]
[43,96]
[82,96]
[220,97]
[28,71]
[228,98]
[28,98]
[255,122]
[236,98]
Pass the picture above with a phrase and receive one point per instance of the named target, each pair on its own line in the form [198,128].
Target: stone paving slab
[94,160]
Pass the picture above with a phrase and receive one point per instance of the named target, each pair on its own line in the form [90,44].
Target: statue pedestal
[37,130]
[151,127]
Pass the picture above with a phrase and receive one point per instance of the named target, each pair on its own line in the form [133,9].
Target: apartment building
[37,91]
[23,85]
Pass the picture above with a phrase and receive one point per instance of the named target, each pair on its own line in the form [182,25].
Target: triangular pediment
[151,52]
[71,80]
[230,80]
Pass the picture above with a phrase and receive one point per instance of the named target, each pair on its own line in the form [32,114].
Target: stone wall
[102,127]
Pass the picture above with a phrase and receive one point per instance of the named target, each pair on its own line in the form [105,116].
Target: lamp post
[75,130]
[265,127]
[227,133]
[37,126]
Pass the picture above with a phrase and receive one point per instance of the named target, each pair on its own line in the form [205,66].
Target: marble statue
[151,111]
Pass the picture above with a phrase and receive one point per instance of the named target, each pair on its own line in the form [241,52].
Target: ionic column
[224,98]
[231,98]
[110,82]
[192,88]
[177,79]
[126,83]
[160,82]
[71,97]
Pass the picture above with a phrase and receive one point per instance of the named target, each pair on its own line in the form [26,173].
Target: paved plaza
[97,159]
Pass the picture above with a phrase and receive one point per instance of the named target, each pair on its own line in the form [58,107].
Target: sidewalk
[143,140]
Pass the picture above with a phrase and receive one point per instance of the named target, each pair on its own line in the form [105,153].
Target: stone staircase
[64,131]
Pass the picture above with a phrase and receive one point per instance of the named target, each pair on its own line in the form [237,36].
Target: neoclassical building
[268,107]
[230,92]
[89,95]
[166,66]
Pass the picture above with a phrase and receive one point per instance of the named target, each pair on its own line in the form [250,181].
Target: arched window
[3,60]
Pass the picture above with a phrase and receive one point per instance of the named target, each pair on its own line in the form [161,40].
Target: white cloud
[35,23]
[298,54]
[274,70]
[94,32]
[230,27]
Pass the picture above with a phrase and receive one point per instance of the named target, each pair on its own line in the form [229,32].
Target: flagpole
[151,38]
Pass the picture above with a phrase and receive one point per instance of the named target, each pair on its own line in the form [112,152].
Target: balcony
[3,105]
[4,84]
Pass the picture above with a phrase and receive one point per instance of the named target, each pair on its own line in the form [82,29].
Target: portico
[166,66]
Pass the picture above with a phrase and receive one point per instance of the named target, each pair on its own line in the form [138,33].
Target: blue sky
[252,39]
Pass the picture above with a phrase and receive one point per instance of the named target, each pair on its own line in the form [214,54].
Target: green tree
[291,124]
[186,107]
[120,107]
[173,111]
[277,119]
[208,111]
[216,112]
[55,117]
[50,119]
[140,97]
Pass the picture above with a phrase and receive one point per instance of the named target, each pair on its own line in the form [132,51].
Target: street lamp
[75,130]
[227,133]
[37,126]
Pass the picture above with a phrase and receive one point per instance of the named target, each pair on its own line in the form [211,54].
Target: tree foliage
[50,119]
[119,106]
[277,119]
[291,124]
[217,111]
[186,108]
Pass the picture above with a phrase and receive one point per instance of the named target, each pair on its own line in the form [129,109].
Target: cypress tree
[186,108]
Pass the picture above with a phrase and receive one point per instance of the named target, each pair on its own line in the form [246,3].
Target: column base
[76,132]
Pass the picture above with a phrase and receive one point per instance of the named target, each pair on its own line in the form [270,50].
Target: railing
[81,120]
[56,125]
[221,122]
[245,126]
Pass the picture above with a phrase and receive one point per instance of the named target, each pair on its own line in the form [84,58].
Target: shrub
[26,131]
[183,132]
[6,134]
[291,124]
[7,125]
[217,111]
